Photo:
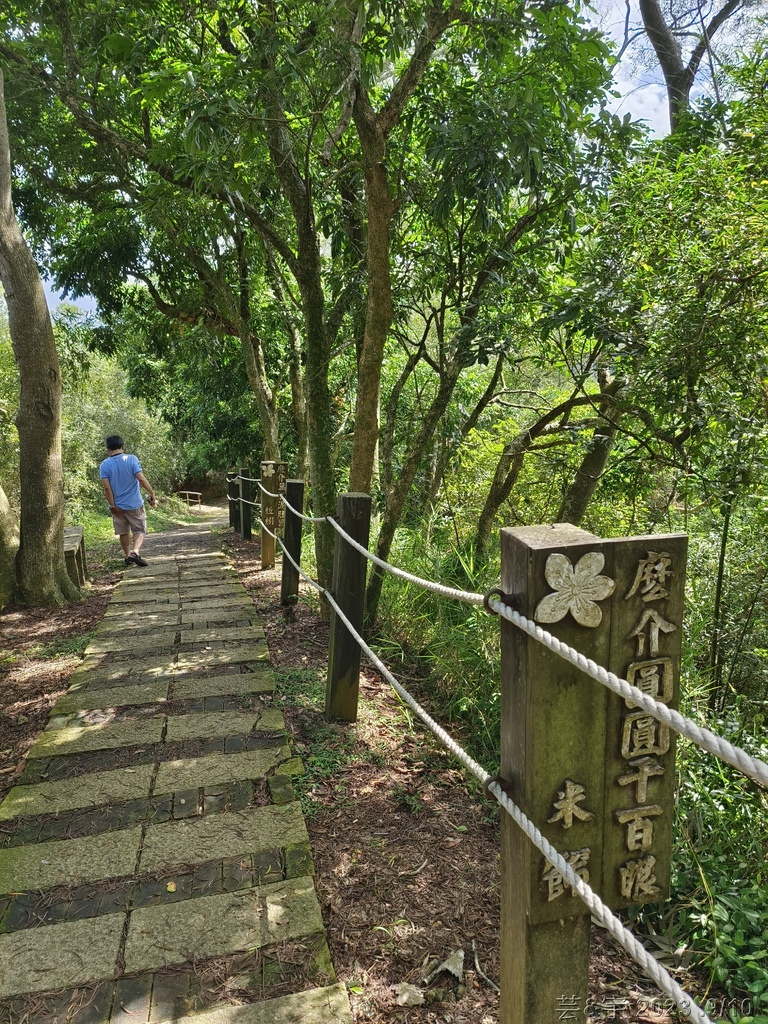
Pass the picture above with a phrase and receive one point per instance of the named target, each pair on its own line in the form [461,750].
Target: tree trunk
[511,462]
[265,400]
[41,575]
[592,467]
[9,545]
[307,269]
[255,368]
[717,694]
[398,493]
[378,315]
[443,459]
[679,77]
[299,408]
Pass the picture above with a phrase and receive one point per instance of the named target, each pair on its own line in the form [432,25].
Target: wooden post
[595,779]
[552,729]
[241,506]
[289,588]
[232,493]
[281,477]
[353,513]
[235,503]
[268,515]
[247,498]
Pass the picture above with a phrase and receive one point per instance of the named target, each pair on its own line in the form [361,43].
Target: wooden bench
[191,497]
[74,554]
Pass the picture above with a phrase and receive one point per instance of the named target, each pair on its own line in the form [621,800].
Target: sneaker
[136,559]
[128,561]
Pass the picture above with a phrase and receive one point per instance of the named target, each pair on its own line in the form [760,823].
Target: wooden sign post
[268,515]
[281,480]
[273,479]
[593,774]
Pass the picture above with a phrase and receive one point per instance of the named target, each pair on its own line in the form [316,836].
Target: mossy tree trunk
[9,545]
[41,575]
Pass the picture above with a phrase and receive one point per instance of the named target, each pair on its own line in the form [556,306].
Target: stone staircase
[154,863]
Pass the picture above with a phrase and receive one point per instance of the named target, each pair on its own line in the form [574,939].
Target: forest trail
[154,863]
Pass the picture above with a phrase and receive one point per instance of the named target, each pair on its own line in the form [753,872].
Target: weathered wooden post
[353,513]
[289,584]
[268,515]
[236,502]
[247,502]
[273,478]
[593,774]
[281,479]
[243,509]
[232,494]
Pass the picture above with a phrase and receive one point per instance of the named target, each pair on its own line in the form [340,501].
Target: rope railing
[652,968]
[753,767]
[436,588]
[295,511]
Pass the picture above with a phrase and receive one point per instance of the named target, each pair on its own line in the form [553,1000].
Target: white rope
[256,504]
[299,570]
[750,766]
[248,479]
[300,515]
[711,742]
[594,904]
[307,519]
[266,529]
[436,588]
[598,909]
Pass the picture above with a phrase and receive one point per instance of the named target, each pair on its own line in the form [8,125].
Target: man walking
[122,480]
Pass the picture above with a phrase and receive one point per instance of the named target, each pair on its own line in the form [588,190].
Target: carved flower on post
[577,588]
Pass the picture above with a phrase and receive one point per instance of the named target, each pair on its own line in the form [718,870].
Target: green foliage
[718,915]
[453,646]
[63,647]
[9,401]
[95,403]
[330,748]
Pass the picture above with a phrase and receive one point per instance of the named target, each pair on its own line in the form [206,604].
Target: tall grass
[451,649]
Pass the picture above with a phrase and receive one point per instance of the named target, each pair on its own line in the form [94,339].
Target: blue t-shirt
[121,472]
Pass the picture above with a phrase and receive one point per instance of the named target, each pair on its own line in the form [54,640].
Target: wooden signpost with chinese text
[592,772]
[273,479]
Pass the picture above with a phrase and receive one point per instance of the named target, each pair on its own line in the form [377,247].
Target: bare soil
[39,650]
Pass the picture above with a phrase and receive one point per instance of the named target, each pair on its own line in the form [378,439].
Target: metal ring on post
[494,593]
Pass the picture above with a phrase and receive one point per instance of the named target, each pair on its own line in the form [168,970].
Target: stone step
[315,1006]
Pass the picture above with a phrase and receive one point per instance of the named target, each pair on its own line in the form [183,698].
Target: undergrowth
[450,648]
[327,750]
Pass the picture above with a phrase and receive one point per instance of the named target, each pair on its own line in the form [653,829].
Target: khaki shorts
[129,520]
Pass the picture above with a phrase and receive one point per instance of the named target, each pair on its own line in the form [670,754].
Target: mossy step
[328,1005]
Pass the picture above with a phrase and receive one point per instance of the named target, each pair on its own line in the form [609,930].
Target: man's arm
[108,493]
[145,484]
